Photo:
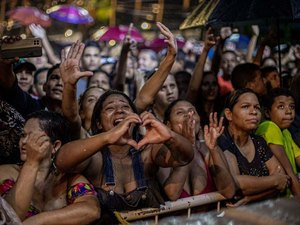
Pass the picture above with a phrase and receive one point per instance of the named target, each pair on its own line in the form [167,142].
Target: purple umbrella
[118,33]
[70,14]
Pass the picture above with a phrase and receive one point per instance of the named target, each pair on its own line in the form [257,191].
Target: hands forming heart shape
[156,132]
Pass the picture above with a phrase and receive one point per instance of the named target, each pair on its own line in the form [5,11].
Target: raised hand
[188,128]
[69,67]
[170,39]
[225,32]
[255,30]
[213,131]
[156,131]
[210,39]
[37,31]
[129,43]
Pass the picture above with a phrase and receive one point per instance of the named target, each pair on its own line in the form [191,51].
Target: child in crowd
[280,113]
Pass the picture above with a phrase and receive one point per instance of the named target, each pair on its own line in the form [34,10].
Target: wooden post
[2,17]
[112,19]
[160,14]
[185,5]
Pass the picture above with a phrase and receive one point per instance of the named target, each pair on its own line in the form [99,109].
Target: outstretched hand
[69,67]
[170,39]
[213,131]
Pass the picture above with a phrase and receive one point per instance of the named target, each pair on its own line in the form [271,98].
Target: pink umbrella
[159,43]
[118,33]
[27,15]
[70,14]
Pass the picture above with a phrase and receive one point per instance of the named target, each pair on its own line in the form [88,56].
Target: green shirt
[274,135]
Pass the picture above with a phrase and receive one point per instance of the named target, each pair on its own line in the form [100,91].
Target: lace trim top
[257,167]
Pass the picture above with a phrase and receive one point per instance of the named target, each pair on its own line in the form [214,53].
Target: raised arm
[70,73]
[119,80]
[40,32]
[152,86]
[225,33]
[252,43]
[175,179]
[195,82]
[223,179]
[270,40]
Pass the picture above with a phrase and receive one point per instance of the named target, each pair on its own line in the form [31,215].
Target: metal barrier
[171,206]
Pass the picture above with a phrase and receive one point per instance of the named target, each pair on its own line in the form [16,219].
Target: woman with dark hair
[35,189]
[257,172]
[209,100]
[121,164]
[208,171]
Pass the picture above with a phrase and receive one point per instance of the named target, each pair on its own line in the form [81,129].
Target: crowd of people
[84,136]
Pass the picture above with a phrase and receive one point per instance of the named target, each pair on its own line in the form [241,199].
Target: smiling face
[245,114]
[282,111]
[115,109]
[25,79]
[180,112]
[54,86]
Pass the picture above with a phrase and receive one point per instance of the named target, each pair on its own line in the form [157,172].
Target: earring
[54,167]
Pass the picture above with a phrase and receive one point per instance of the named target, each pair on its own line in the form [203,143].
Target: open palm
[69,67]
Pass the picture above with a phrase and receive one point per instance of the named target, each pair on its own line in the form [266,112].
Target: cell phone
[24,48]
